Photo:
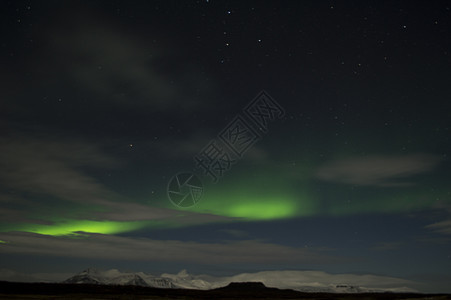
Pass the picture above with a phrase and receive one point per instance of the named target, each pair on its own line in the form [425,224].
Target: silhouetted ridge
[247,286]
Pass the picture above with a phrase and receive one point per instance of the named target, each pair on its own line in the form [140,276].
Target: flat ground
[31,291]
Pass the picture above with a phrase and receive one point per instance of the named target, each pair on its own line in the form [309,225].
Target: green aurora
[260,198]
[75,227]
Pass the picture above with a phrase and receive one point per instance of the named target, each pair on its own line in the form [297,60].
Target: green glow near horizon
[262,211]
[257,193]
[74,227]
[262,201]
[256,198]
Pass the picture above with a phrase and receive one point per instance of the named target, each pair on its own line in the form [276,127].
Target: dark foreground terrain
[14,290]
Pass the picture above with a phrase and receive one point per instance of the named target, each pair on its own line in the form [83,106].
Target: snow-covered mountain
[304,281]
[115,277]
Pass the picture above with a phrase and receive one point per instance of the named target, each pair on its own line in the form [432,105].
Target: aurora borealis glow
[86,226]
[103,103]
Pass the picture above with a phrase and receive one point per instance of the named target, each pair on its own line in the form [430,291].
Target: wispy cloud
[114,65]
[300,280]
[443,208]
[441,227]
[103,65]
[43,166]
[98,246]
[235,233]
[118,67]
[15,276]
[46,169]
[376,170]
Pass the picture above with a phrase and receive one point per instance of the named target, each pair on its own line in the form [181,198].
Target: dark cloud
[54,168]
[11,275]
[99,246]
[377,170]
[116,67]
[46,168]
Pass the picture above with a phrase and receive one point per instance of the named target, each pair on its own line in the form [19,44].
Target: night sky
[102,103]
